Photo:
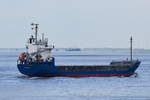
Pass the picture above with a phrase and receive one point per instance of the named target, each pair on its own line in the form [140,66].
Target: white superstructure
[38,48]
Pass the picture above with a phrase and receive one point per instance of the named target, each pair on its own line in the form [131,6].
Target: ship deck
[75,68]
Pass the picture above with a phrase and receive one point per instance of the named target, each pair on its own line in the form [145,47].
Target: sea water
[15,86]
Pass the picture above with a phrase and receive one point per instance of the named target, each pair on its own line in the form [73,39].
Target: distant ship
[73,49]
[37,61]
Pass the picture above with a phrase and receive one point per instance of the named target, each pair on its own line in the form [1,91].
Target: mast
[35,26]
[131,48]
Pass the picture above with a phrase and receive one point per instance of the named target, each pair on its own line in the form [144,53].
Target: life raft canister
[22,56]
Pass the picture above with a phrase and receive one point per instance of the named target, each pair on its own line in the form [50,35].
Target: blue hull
[43,69]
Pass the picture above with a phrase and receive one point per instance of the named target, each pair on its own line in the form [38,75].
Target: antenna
[35,26]
[131,48]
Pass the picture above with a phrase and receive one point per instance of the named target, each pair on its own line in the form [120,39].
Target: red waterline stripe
[96,75]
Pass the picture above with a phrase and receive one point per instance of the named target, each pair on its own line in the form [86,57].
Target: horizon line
[81,48]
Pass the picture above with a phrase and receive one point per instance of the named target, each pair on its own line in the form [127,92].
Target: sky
[76,23]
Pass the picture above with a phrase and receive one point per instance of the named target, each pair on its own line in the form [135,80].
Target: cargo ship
[37,61]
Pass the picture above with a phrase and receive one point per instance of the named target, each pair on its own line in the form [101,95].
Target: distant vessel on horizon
[73,49]
[38,61]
